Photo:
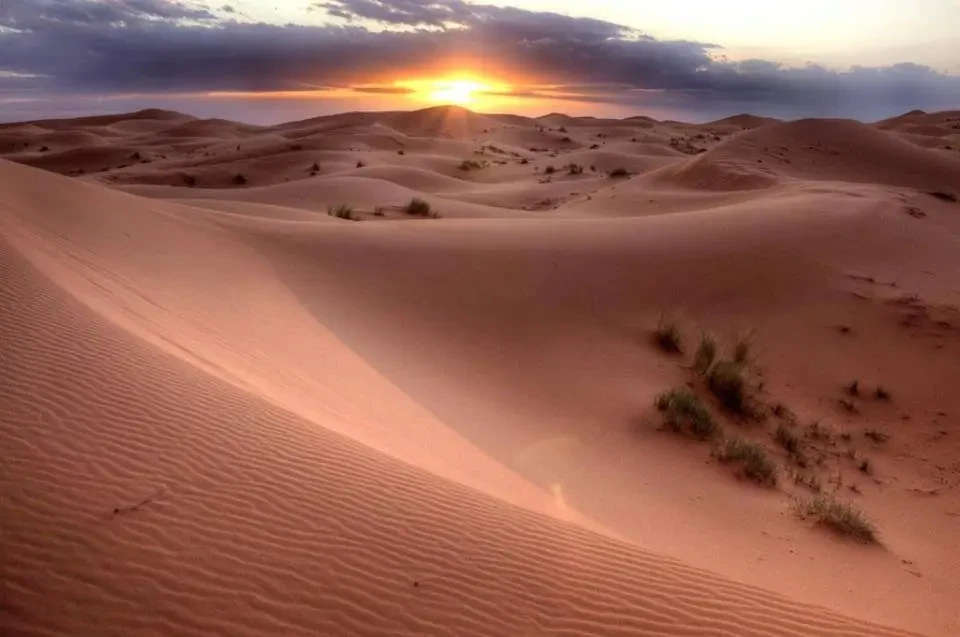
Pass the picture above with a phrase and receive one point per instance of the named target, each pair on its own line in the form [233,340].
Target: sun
[455,91]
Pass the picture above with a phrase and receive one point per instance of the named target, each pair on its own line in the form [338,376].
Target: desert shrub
[343,211]
[944,195]
[741,347]
[681,408]
[417,207]
[667,335]
[842,517]
[470,164]
[315,168]
[787,439]
[190,180]
[706,353]
[752,458]
[575,169]
[618,173]
[360,163]
[549,170]
[853,388]
[727,383]
[239,180]
[379,211]
[876,435]
[401,152]
[882,393]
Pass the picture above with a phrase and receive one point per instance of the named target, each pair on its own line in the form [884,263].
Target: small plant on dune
[360,163]
[852,388]
[842,517]
[574,169]
[379,211]
[315,168]
[470,164]
[876,435]
[741,347]
[343,211]
[943,195]
[727,383]
[190,180]
[881,393]
[549,170]
[401,152]
[865,467]
[706,353]
[239,180]
[681,408]
[667,335]
[524,161]
[417,207]
[752,459]
[619,173]
[787,439]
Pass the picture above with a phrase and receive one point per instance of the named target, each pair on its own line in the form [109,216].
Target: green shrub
[681,408]
[842,517]
[417,207]
[752,458]
[667,335]
[727,383]
[787,439]
[343,211]
[741,347]
[706,353]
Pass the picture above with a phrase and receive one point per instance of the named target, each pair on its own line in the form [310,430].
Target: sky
[265,61]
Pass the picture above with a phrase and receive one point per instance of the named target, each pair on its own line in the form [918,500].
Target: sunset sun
[455,91]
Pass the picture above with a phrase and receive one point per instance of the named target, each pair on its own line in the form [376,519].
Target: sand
[228,412]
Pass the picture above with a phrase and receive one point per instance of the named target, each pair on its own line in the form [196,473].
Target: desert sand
[226,411]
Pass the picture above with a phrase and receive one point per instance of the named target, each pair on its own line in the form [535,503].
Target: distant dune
[409,373]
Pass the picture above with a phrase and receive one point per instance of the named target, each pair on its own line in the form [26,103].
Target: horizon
[253,62]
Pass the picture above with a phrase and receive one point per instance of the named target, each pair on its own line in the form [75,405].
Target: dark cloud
[116,46]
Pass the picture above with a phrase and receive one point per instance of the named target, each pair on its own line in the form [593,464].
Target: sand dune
[225,411]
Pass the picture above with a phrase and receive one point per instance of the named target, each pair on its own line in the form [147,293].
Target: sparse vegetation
[727,383]
[470,164]
[574,169]
[619,173]
[239,180]
[853,388]
[787,439]
[816,431]
[418,207]
[401,152]
[343,211]
[706,353]
[741,347]
[865,467]
[681,408]
[943,195]
[315,168]
[881,393]
[753,459]
[190,180]
[549,170]
[379,211]
[842,517]
[876,435]
[667,335]
[360,163]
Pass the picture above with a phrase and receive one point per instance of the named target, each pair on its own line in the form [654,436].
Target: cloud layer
[111,46]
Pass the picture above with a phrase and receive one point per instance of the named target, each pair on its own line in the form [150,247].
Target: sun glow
[462,91]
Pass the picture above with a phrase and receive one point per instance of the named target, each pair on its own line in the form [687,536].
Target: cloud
[115,46]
